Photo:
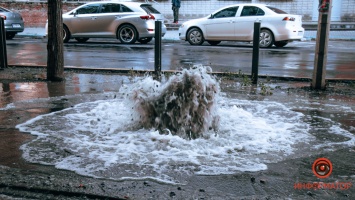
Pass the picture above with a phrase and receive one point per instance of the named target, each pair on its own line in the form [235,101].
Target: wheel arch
[271,31]
[65,27]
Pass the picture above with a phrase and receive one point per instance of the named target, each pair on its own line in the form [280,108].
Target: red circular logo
[322,167]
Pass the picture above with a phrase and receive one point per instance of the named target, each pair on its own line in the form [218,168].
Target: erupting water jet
[184,105]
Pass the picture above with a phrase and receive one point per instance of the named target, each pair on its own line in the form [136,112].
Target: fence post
[3,53]
[256,45]
[157,50]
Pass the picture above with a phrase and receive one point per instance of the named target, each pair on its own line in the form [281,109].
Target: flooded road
[295,60]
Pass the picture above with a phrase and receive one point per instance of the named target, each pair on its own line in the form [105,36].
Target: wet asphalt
[26,94]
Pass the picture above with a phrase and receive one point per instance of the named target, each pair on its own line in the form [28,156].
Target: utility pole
[320,59]
[55,57]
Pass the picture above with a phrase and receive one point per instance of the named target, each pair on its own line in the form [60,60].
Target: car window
[276,10]
[252,11]
[88,9]
[125,9]
[110,8]
[228,12]
[149,9]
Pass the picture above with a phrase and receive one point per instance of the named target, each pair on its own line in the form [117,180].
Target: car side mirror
[75,13]
[211,17]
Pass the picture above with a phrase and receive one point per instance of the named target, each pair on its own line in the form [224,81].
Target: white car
[236,23]
[127,21]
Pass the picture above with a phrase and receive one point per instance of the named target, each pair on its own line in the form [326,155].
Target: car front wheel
[127,34]
[195,36]
[66,34]
[266,38]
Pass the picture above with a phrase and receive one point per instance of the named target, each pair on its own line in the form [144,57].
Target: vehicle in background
[126,21]
[236,23]
[13,22]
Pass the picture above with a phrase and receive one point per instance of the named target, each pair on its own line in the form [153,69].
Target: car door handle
[93,18]
[117,16]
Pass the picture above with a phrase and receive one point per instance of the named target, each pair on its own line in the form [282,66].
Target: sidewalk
[174,35]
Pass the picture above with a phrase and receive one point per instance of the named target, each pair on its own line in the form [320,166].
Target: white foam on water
[101,139]
[8,106]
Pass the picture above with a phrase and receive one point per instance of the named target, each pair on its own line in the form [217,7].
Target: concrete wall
[35,12]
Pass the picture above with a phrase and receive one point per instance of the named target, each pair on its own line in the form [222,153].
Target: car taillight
[288,19]
[147,17]
[3,16]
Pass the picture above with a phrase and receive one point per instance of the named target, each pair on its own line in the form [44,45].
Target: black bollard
[157,50]
[3,53]
[256,45]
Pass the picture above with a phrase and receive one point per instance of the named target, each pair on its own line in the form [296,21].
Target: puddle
[100,139]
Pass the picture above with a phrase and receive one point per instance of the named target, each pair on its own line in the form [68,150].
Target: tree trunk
[55,58]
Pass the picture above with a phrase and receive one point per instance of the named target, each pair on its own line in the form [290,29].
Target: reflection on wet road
[21,101]
[296,59]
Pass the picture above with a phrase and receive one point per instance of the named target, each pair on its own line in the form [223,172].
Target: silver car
[236,23]
[13,22]
[127,21]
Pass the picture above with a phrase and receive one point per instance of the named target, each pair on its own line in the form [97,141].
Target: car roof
[7,10]
[134,5]
[244,4]
[120,2]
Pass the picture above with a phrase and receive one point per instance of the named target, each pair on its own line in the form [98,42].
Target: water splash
[184,105]
[106,139]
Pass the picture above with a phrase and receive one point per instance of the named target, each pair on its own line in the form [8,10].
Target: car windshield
[149,9]
[276,10]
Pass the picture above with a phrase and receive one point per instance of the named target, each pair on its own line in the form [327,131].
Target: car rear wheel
[81,40]
[280,43]
[66,34]
[266,38]
[214,43]
[145,40]
[127,34]
[195,36]
[10,36]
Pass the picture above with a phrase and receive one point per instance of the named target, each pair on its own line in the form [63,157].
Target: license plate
[16,25]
